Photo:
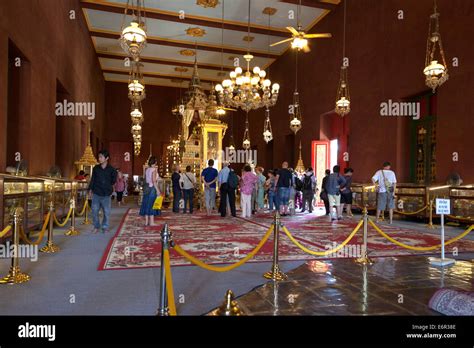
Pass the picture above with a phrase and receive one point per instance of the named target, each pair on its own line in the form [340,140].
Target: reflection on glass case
[411,198]
[364,194]
[462,202]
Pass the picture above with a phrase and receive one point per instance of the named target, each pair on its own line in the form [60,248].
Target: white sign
[443,206]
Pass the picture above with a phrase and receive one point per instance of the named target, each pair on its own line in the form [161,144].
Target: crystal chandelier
[136,84]
[436,73]
[343,101]
[248,90]
[246,140]
[267,127]
[133,37]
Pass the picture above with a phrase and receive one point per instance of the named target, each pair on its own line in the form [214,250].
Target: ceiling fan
[299,39]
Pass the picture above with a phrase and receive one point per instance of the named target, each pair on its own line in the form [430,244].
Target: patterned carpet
[217,240]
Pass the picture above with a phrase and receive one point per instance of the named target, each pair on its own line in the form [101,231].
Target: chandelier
[136,114]
[267,127]
[246,140]
[296,118]
[136,84]
[436,73]
[133,37]
[248,90]
[342,98]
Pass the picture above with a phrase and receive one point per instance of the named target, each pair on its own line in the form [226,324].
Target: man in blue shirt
[209,178]
[226,192]
[333,185]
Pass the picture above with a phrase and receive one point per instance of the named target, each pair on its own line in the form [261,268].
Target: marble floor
[391,286]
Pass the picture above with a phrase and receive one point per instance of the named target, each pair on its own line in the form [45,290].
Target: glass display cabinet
[59,190]
[462,203]
[411,198]
[25,192]
[364,194]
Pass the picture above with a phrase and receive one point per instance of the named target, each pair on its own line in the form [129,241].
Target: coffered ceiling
[174,40]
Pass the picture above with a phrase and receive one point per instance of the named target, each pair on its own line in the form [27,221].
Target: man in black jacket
[101,188]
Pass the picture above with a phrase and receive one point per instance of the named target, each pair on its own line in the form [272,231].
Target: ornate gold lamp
[436,73]
[246,140]
[267,127]
[296,119]
[136,84]
[133,36]
[343,100]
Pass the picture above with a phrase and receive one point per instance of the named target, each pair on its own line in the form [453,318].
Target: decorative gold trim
[187,52]
[158,75]
[181,69]
[269,11]
[207,3]
[195,32]
[247,38]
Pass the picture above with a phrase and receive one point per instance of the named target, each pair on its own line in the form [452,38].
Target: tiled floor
[391,286]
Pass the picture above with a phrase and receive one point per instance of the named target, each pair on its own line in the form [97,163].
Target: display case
[25,192]
[411,198]
[462,203]
[59,190]
[364,195]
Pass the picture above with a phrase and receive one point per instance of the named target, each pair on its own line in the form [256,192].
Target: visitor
[333,185]
[270,188]
[386,182]
[177,191]
[293,191]
[150,192]
[100,188]
[324,194]
[227,192]
[283,181]
[120,186]
[309,185]
[188,183]
[80,176]
[247,185]
[209,178]
[346,192]
[260,188]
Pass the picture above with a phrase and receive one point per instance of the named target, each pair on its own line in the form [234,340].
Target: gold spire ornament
[436,73]
[300,168]
[88,159]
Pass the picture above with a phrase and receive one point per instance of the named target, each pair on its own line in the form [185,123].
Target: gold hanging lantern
[133,37]
[296,119]
[436,73]
[267,127]
[136,84]
[246,140]
[343,101]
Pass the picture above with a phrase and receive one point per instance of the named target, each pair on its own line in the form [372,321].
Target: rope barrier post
[50,247]
[364,259]
[15,275]
[276,274]
[166,241]
[86,221]
[72,230]
[430,214]
[229,307]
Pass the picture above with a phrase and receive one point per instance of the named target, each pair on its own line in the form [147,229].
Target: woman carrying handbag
[151,191]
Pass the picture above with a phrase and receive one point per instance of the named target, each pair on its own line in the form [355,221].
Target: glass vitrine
[411,198]
[25,192]
[364,195]
[462,202]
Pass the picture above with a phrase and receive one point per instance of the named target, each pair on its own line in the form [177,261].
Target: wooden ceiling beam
[159,76]
[165,62]
[174,17]
[312,3]
[192,46]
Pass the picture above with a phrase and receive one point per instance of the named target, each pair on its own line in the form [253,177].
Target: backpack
[307,183]
[233,180]
[298,184]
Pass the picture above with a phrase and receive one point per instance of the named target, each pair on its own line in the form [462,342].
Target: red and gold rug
[216,240]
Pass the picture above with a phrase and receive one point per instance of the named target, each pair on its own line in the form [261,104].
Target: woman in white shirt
[188,182]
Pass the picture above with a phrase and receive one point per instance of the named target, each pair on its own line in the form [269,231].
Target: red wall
[58,49]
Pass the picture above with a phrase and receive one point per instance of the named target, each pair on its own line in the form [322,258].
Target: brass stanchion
[50,247]
[276,273]
[86,216]
[364,259]
[72,230]
[15,275]
[430,215]
[229,307]
[166,241]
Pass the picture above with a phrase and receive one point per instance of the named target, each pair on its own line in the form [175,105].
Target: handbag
[388,184]
[158,202]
